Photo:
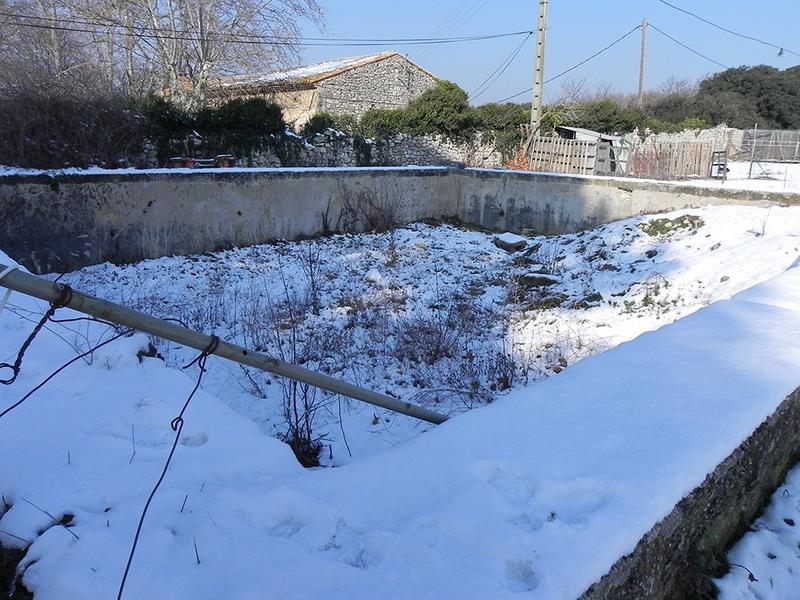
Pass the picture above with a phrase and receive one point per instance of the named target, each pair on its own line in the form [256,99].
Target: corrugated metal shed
[587,135]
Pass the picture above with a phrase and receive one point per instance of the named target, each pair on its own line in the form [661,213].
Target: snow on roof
[589,132]
[309,74]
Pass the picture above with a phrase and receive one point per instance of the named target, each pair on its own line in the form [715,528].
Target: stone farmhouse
[348,86]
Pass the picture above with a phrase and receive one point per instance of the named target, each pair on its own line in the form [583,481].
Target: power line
[244,38]
[580,64]
[459,21]
[781,49]
[692,50]
[489,81]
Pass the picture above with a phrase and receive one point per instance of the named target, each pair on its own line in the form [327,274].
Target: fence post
[753,152]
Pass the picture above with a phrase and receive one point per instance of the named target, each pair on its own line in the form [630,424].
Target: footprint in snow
[195,440]
[521,576]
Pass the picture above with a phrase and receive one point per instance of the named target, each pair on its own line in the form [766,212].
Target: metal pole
[642,60]
[753,152]
[109,311]
[538,76]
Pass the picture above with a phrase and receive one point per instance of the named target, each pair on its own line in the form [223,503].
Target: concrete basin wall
[555,204]
[59,222]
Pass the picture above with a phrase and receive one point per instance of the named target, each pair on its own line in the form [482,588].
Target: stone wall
[677,558]
[477,151]
[720,138]
[389,83]
[336,149]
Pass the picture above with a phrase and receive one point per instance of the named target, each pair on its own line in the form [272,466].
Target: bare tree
[193,40]
[140,46]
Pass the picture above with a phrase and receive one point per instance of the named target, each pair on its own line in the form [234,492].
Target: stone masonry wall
[389,83]
[336,149]
[720,138]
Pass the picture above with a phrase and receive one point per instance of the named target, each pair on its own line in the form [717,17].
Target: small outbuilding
[585,135]
[347,86]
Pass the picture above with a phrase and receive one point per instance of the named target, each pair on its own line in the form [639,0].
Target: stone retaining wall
[677,558]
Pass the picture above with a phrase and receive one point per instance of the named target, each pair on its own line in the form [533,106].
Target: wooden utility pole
[642,61]
[538,76]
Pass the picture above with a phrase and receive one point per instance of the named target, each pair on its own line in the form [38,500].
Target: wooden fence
[678,160]
[557,155]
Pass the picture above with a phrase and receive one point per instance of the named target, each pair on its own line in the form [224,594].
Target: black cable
[61,368]
[572,68]
[781,49]
[252,39]
[64,297]
[666,35]
[177,426]
[489,81]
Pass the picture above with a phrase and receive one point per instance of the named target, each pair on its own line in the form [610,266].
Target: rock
[666,226]
[510,242]
[716,246]
[536,280]
[651,253]
[374,277]
[724,278]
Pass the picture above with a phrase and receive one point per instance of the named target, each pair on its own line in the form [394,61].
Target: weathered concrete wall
[554,204]
[51,224]
[677,558]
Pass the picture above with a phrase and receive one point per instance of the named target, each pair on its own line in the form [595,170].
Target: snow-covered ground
[439,315]
[537,493]
[765,176]
[765,563]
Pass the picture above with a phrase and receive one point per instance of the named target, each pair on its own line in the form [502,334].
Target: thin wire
[258,36]
[177,426]
[263,40]
[64,298]
[489,81]
[780,49]
[580,64]
[692,50]
[61,368]
[458,21]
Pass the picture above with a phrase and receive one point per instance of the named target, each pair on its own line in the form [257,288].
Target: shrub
[379,122]
[319,123]
[692,123]
[607,116]
[347,124]
[50,131]
[442,109]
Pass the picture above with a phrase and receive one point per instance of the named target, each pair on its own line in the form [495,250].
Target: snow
[767,177]
[770,551]
[305,72]
[535,494]
[511,239]
[8,171]
[520,317]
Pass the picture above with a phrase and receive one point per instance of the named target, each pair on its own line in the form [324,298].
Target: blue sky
[577,29]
